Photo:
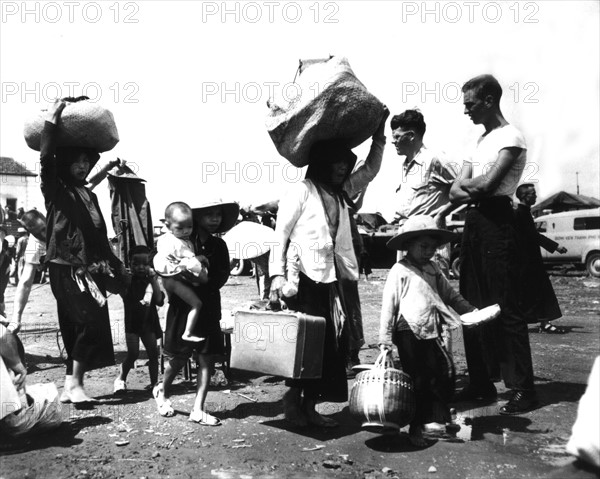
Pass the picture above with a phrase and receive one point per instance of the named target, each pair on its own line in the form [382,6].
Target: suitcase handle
[276,303]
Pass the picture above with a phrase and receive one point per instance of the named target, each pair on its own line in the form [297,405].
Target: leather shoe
[520,402]
[476,394]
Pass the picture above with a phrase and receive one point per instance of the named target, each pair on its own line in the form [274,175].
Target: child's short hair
[177,206]
[139,249]
[30,217]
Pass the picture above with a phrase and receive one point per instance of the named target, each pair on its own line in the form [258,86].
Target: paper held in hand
[480,316]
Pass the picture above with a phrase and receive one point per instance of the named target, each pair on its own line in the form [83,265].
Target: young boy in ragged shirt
[418,302]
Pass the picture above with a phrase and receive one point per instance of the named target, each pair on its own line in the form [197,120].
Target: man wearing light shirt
[426,178]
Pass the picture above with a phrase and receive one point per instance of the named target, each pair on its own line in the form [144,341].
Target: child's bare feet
[191,337]
[415,436]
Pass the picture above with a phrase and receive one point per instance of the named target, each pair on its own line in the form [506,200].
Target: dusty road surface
[255,441]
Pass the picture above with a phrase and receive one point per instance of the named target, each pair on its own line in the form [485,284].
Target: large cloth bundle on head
[83,124]
[331,104]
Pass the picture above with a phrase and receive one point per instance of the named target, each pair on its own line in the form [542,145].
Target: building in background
[19,188]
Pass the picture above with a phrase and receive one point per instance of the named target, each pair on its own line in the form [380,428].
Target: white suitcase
[286,343]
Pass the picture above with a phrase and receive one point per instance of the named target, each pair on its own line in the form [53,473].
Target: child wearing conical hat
[418,302]
[209,219]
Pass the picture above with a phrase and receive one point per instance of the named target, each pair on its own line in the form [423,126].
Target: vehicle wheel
[455,267]
[237,267]
[592,264]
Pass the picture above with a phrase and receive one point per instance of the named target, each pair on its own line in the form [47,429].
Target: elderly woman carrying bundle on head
[313,225]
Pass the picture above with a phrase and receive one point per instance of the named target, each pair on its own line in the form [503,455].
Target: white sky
[164,78]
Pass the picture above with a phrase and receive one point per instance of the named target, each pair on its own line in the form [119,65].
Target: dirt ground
[255,441]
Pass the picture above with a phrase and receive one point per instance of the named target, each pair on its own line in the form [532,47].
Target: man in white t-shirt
[491,252]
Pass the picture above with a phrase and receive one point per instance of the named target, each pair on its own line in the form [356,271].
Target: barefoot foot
[314,418]
[319,420]
[291,408]
[77,395]
[415,436]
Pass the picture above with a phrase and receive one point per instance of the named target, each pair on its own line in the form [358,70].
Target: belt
[493,202]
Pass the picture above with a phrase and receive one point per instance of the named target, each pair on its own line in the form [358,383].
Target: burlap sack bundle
[83,124]
[329,103]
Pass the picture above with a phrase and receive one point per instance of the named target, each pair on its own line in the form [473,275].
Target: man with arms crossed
[491,252]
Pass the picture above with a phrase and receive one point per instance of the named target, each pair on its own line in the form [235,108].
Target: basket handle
[383,361]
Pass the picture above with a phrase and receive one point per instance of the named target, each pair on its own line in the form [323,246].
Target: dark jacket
[538,299]
[131,217]
[215,249]
[71,235]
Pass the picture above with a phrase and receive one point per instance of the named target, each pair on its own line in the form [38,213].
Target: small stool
[187,369]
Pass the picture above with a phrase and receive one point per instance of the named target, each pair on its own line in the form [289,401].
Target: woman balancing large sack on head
[328,103]
[80,259]
[83,124]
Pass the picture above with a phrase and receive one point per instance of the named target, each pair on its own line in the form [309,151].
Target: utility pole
[577,180]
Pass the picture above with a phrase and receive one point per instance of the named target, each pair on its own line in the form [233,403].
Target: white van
[579,232]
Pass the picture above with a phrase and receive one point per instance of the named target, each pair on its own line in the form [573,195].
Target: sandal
[203,418]
[165,409]
[551,329]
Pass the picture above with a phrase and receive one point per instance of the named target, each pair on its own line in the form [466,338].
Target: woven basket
[382,398]
[82,124]
[331,104]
